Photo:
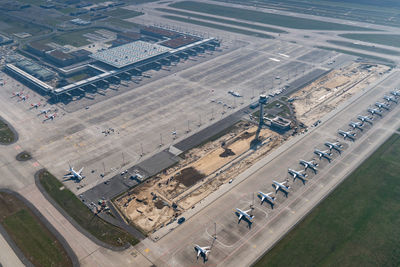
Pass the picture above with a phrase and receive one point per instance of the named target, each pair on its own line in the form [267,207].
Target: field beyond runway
[357,225]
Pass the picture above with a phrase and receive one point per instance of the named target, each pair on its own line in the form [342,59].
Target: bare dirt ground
[326,93]
[161,199]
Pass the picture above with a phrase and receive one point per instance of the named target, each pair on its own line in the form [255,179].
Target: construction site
[323,95]
[202,170]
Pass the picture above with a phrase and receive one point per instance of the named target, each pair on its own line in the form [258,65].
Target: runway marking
[274,59]
[283,55]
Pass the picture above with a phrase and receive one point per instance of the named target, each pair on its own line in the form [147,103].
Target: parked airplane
[74,174]
[36,105]
[356,125]
[395,92]
[390,98]
[244,213]
[309,164]
[235,94]
[44,111]
[365,119]
[348,134]
[281,186]
[23,97]
[17,94]
[382,105]
[323,154]
[51,117]
[267,198]
[298,174]
[202,251]
[336,146]
[375,111]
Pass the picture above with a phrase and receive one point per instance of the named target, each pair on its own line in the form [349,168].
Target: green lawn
[6,135]
[383,39]
[123,13]
[122,23]
[225,21]
[35,241]
[262,17]
[366,56]
[74,38]
[365,47]
[82,215]
[18,26]
[219,27]
[357,225]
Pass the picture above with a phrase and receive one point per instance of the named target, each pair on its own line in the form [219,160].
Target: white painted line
[274,59]
[283,55]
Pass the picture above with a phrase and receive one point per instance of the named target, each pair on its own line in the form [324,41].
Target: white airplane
[18,94]
[244,213]
[323,154]
[389,98]
[375,111]
[382,105]
[395,92]
[267,198]
[348,134]
[356,125]
[51,117]
[74,174]
[298,174]
[23,97]
[36,105]
[235,94]
[44,111]
[202,251]
[336,146]
[365,119]
[309,164]
[281,186]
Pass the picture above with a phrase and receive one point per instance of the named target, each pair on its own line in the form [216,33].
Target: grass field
[219,27]
[225,21]
[82,215]
[123,13]
[365,47]
[6,135]
[122,23]
[348,52]
[357,225]
[383,39]
[36,242]
[18,26]
[265,18]
[74,38]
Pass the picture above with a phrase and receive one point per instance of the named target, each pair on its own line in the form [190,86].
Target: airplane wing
[262,199]
[68,176]
[198,252]
[240,217]
[79,172]
[247,211]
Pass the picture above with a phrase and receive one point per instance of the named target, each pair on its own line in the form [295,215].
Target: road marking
[274,59]
[283,55]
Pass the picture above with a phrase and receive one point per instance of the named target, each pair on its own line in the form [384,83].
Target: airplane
[281,186]
[36,105]
[268,198]
[323,154]
[44,111]
[202,251]
[348,134]
[375,111]
[382,105]
[23,97]
[357,125]
[235,94]
[51,117]
[365,119]
[389,98]
[309,164]
[298,174]
[74,174]
[17,94]
[244,213]
[336,146]
[395,92]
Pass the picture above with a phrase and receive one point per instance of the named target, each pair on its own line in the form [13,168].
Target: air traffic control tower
[262,101]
